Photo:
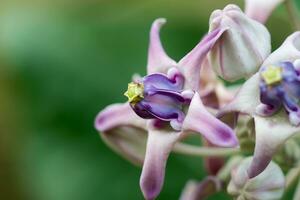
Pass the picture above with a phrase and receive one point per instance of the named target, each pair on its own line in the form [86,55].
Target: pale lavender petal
[270,134]
[123,131]
[158,60]
[199,120]
[159,145]
[118,115]
[260,10]
[190,65]
[288,51]
[246,99]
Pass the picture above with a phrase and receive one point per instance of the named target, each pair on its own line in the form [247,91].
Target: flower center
[160,97]
[272,75]
[280,87]
[135,92]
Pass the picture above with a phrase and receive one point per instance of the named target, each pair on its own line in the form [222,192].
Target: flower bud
[242,48]
[267,185]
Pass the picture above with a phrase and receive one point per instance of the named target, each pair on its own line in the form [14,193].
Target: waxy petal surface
[260,10]
[159,146]
[199,120]
[190,65]
[158,60]
[123,131]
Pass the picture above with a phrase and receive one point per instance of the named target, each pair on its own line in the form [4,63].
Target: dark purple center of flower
[161,97]
[280,86]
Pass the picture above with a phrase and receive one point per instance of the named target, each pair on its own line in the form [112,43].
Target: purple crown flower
[159,96]
[280,87]
[166,103]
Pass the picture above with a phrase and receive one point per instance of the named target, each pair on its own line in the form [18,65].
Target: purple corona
[280,86]
[161,97]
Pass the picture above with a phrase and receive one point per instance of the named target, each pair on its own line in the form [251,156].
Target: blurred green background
[63,61]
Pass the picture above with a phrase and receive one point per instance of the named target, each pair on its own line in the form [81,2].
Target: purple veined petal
[158,60]
[271,133]
[288,51]
[194,190]
[159,146]
[199,120]
[190,65]
[246,99]
[173,82]
[123,131]
[260,10]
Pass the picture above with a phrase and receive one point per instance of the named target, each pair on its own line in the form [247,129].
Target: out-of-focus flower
[269,185]
[260,10]
[271,97]
[168,104]
[243,46]
[194,190]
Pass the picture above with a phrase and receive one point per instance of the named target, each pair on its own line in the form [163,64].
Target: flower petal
[123,131]
[271,133]
[159,145]
[199,120]
[288,51]
[246,100]
[158,60]
[191,63]
[260,10]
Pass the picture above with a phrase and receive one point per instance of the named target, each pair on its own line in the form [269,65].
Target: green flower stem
[297,192]
[192,150]
[293,14]
[291,177]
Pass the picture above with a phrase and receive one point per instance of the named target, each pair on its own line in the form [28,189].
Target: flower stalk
[192,150]
[293,14]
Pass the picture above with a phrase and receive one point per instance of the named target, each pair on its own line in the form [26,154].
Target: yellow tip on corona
[272,75]
[134,92]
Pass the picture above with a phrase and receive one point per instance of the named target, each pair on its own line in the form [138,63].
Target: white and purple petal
[159,146]
[260,10]
[190,65]
[199,120]
[270,134]
[158,60]
[123,131]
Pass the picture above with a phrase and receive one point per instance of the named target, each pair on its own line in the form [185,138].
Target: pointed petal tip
[158,60]
[257,167]
[98,123]
[159,146]
[150,193]
[160,21]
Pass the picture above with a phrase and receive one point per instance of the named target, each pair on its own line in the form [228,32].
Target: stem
[293,15]
[291,177]
[192,150]
[297,192]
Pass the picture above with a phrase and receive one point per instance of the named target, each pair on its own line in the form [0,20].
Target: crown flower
[271,97]
[255,115]
[166,105]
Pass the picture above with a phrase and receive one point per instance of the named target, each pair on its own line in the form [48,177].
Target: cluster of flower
[177,99]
